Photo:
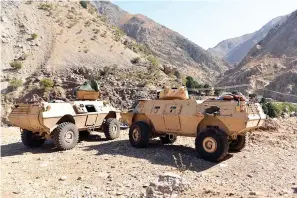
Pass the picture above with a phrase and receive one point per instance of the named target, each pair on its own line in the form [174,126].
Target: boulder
[167,185]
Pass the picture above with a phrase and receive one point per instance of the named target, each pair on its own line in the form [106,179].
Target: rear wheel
[65,136]
[212,144]
[139,134]
[239,143]
[168,139]
[111,128]
[31,139]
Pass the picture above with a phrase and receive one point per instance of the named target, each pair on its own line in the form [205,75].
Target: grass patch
[47,83]
[45,6]
[15,83]
[34,36]
[16,64]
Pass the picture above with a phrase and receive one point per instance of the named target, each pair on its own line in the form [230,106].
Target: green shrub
[34,36]
[84,4]
[191,83]
[15,83]
[135,60]
[153,60]
[45,6]
[16,64]
[276,109]
[272,110]
[46,83]
[218,92]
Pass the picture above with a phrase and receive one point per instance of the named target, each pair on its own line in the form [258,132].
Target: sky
[207,22]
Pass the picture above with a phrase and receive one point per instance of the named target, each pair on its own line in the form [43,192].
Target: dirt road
[100,168]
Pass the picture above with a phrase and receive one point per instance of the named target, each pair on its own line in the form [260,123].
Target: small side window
[90,108]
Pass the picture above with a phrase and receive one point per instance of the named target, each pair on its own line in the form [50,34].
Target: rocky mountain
[271,65]
[226,46]
[55,46]
[171,48]
[235,49]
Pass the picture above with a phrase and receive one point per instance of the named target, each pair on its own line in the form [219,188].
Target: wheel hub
[69,136]
[209,144]
[114,129]
[135,134]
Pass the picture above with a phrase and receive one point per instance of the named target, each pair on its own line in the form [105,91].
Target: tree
[217,92]
[263,101]
[190,83]
[271,111]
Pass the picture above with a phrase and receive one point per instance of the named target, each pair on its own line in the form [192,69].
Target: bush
[84,4]
[218,92]
[16,64]
[272,110]
[275,109]
[15,83]
[34,36]
[135,60]
[46,83]
[45,6]
[191,83]
[153,60]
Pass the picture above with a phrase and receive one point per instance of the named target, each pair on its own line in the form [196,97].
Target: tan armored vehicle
[219,125]
[63,121]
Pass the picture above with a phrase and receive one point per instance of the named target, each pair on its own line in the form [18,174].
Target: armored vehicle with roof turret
[63,121]
[218,124]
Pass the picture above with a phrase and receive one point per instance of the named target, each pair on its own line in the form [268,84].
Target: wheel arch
[111,114]
[66,118]
[212,122]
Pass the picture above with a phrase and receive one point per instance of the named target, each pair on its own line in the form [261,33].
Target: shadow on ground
[18,148]
[177,156]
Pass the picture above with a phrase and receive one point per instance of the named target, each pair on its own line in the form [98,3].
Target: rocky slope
[224,47]
[170,47]
[66,43]
[271,64]
[235,49]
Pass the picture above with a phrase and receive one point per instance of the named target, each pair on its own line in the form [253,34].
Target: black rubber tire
[58,136]
[30,139]
[168,139]
[238,144]
[221,142]
[143,134]
[109,127]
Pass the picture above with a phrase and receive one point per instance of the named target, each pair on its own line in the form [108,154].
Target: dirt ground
[267,167]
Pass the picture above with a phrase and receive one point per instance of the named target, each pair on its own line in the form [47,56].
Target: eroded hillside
[271,64]
[170,47]
[65,43]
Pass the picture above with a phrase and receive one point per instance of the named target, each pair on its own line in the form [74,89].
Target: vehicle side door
[171,117]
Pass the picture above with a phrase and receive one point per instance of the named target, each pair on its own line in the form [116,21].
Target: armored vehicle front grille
[20,110]
[252,109]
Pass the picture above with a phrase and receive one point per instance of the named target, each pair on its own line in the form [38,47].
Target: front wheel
[239,143]
[31,139]
[212,144]
[139,134]
[111,128]
[65,136]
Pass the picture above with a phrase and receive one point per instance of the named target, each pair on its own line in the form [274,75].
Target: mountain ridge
[169,46]
[242,44]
